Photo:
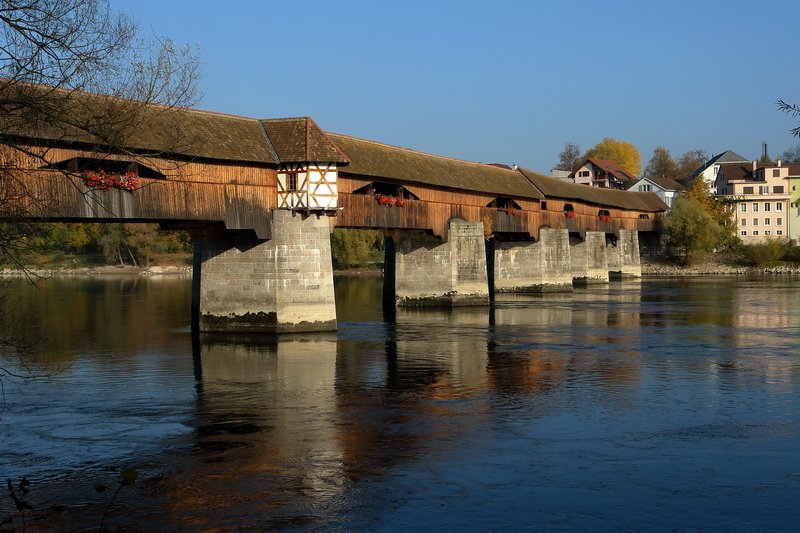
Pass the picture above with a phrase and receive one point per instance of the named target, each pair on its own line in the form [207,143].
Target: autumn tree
[569,158]
[691,230]
[689,163]
[623,153]
[660,165]
[718,208]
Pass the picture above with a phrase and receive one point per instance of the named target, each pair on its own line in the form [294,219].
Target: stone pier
[427,271]
[589,259]
[623,256]
[280,285]
[542,266]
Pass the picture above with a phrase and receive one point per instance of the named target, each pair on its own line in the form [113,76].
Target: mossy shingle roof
[553,188]
[369,158]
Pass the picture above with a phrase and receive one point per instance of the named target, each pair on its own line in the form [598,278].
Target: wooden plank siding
[239,195]
[436,207]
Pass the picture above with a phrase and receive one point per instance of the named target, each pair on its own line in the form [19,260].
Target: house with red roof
[602,173]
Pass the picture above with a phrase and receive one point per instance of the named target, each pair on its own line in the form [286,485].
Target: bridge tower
[283,283]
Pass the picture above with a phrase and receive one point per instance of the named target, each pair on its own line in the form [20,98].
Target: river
[660,405]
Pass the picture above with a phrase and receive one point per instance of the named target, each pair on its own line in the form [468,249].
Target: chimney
[755,164]
[779,162]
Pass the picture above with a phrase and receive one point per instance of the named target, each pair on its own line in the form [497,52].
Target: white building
[710,170]
[666,189]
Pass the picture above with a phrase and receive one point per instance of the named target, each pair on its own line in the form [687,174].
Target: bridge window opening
[569,211]
[386,189]
[644,216]
[503,203]
[109,166]
[604,215]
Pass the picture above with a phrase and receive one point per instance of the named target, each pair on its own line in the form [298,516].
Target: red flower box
[101,180]
[570,214]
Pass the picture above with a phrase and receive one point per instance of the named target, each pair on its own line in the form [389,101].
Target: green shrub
[765,253]
[791,254]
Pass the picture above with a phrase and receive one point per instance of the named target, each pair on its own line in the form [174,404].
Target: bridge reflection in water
[607,405]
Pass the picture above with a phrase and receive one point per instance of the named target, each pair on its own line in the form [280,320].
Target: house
[667,189]
[760,194]
[710,170]
[602,173]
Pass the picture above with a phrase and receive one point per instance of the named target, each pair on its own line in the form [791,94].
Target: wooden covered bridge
[260,198]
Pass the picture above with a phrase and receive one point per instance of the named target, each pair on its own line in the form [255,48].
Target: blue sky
[501,81]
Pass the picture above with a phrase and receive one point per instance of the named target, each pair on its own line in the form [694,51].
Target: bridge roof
[553,188]
[300,139]
[370,158]
[44,113]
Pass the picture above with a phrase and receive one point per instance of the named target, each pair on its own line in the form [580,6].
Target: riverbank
[105,270]
[711,267]
[649,268]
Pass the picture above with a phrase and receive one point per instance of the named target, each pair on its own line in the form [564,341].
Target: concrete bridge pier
[590,260]
[542,266]
[623,256]
[281,285]
[423,270]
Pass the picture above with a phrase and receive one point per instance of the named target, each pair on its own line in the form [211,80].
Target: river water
[660,405]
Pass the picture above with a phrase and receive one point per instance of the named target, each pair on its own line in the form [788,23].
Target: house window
[747,190]
[776,173]
[744,208]
[755,232]
[755,207]
[779,222]
[744,233]
[767,232]
[777,189]
[767,221]
[744,222]
[755,222]
[779,232]
[779,206]
[766,206]
[763,189]
[583,173]
[291,182]
[644,188]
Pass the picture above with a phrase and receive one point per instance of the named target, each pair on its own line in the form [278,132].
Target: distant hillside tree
[660,165]
[352,248]
[791,155]
[623,153]
[689,163]
[569,158]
